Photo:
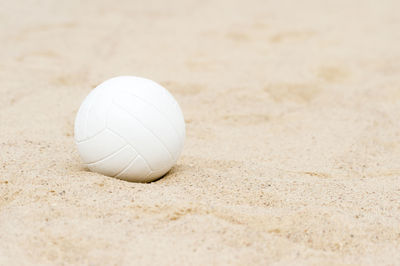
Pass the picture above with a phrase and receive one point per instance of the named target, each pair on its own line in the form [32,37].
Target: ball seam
[149,130]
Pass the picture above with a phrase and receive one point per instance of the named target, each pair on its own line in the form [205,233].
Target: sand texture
[292,153]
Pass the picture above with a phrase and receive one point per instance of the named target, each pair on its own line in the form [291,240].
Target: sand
[292,153]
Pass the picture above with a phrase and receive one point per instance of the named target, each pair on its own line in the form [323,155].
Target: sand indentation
[70,79]
[332,73]
[188,89]
[291,36]
[237,36]
[246,119]
[297,92]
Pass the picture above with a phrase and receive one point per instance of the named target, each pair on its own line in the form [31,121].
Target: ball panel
[152,119]
[81,117]
[138,171]
[114,163]
[152,93]
[169,116]
[141,139]
[99,146]
[97,114]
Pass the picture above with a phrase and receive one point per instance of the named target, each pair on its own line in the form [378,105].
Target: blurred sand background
[292,153]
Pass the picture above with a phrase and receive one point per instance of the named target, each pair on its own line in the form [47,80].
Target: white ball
[130,128]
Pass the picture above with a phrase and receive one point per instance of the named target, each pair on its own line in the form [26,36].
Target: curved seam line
[158,138]
[126,167]
[122,137]
[149,174]
[87,139]
[108,156]
[108,111]
[155,107]
[88,111]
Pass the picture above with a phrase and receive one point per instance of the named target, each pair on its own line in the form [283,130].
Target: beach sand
[292,152]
